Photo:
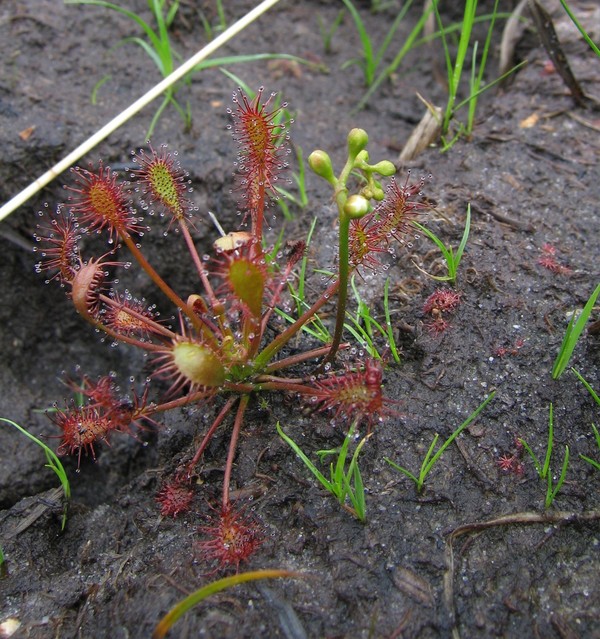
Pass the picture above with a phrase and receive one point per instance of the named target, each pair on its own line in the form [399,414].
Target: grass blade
[574,330]
[199,595]
[313,469]
[404,471]
[126,12]
[54,464]
[459,430]
[463,242]
[388,322]
[591,391]
[551,494]
[536,463]
[546,468]
[391,68]
[368,64]
[583,32]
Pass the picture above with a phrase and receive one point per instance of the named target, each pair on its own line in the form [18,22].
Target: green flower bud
[357,141]
[367,192]
[356,206]
[378,192]
[363,157]
[385,168]
[362,161]
[320,163]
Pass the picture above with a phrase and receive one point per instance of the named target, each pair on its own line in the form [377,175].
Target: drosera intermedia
[221,350]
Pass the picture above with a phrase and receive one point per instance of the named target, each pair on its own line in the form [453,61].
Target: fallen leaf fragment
[8,627]
[25,134]
[425,133]
[414,586]
[529,122]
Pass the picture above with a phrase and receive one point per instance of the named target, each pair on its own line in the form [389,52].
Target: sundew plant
[226,345]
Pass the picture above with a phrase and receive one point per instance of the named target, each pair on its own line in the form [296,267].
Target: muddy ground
[530,172]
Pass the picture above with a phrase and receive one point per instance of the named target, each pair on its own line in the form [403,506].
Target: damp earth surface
[476,552]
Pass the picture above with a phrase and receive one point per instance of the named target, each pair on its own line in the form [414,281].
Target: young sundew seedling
[224,348]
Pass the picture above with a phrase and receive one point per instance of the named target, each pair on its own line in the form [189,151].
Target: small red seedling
[513,463]
[548,261]
[175,497]
[440,302]
[230,539]
[503,351]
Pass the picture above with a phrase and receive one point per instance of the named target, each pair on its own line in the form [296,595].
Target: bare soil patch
[531,175]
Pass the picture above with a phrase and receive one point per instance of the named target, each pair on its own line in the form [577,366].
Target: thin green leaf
[126,12]
[172,13]
[199,595]
[574,330]
[362,337]
[590,461]
[463,242]
[358,493]
[409,43]
[367,49]
[459,430]
[313,469]
[591,391]
[426,464]
[255,57]
[150,51]
[434,238]
[337,471]
[358,496]
[388,322]
[94,96]
[320,333]
[489,85]
[583,32]
[404,471]
[476,84]
[551,494]
[536,463]
[546,468]
[390,34]
[156,116]
[163,45]
[596,435]
[54,464]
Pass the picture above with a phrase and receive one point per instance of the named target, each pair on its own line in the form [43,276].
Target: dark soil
[118,567]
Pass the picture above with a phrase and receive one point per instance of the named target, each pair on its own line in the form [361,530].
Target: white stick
[131,110]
